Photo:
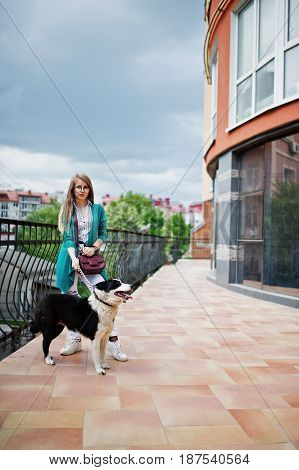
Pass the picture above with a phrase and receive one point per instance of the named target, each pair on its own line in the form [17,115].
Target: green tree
[283,229]
[47,214]
[285,211]
[177,228]
[43,242]
[134,211]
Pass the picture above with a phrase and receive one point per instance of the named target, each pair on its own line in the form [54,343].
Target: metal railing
[28,254]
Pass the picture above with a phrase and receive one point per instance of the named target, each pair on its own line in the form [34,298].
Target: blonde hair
[67,208]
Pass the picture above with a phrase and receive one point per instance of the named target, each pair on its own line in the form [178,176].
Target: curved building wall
[282,109]
[252,151]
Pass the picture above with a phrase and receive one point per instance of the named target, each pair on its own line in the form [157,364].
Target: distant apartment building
[192,213]
[107,199]
[251,136]
[60,196]
[195,214]
[18,204]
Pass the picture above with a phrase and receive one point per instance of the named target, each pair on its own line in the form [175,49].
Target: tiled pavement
[208,369]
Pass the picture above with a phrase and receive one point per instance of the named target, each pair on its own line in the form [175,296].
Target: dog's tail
[34,328]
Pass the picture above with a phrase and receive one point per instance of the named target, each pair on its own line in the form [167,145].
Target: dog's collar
[100,300]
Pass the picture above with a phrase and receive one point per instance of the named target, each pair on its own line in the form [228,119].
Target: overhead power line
[241,87]
[62,95]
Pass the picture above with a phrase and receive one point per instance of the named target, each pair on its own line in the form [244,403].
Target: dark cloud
[131,70]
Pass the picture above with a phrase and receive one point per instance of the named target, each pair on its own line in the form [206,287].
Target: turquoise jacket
[65,274]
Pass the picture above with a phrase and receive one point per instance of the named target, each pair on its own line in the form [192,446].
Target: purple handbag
[91,264]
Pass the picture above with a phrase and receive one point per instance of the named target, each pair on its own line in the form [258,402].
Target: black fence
[28,253]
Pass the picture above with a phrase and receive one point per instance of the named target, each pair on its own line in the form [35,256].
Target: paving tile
[154,343]
[136,398]
[84,403]
[3,415]
[183,391]
[13,419]
[191,367]
[260,425]
[15,366]
[122,428]
[19,398]
[91,386]
[192,411]
[239,396]
[19,380]
[289,418]
[5,434]
[200,437]
[217,371]
[238,374]
[192,343]
[41,402]
[292,400]
[52,419]
[43,439]
[144,372]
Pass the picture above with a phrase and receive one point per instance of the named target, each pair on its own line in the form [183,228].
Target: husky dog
[92,317]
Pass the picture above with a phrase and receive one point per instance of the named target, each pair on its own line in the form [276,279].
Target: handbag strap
[76,228]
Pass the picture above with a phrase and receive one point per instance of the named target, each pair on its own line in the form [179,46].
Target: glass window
[245,35]
[293,19]
[289,175]
[252,170]
[268,228]
[291,72]
[265,86]
[251,216]
[262,57]
[267,29]
[253,264]
[281,260]
[244,98]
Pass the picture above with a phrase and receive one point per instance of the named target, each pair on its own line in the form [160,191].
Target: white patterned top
[84,223]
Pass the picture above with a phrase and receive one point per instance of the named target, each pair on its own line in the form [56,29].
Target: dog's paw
[105,366]
[50,361]
[100,371]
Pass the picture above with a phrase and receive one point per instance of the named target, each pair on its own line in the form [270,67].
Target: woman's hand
[75,264]
[89,250]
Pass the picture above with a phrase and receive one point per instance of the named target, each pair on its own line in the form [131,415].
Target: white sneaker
[115,349]
[71,347]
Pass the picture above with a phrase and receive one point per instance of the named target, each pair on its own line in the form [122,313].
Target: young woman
[91,229]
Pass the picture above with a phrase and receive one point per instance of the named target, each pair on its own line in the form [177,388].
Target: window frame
[288,168]
[281,46]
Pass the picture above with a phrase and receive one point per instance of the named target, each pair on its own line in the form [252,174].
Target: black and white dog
[92,317]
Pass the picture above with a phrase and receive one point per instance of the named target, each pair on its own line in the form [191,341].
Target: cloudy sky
[110,88]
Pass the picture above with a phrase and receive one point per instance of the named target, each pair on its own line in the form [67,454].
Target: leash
[92,291]
[90,287]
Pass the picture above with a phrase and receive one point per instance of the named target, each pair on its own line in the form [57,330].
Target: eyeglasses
[82,188]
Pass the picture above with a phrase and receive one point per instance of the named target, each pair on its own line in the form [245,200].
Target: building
[107,199]
[60,196]
[18,204]
[192,213]
[201,234]
[251,57]
[195,214]
[162,204]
